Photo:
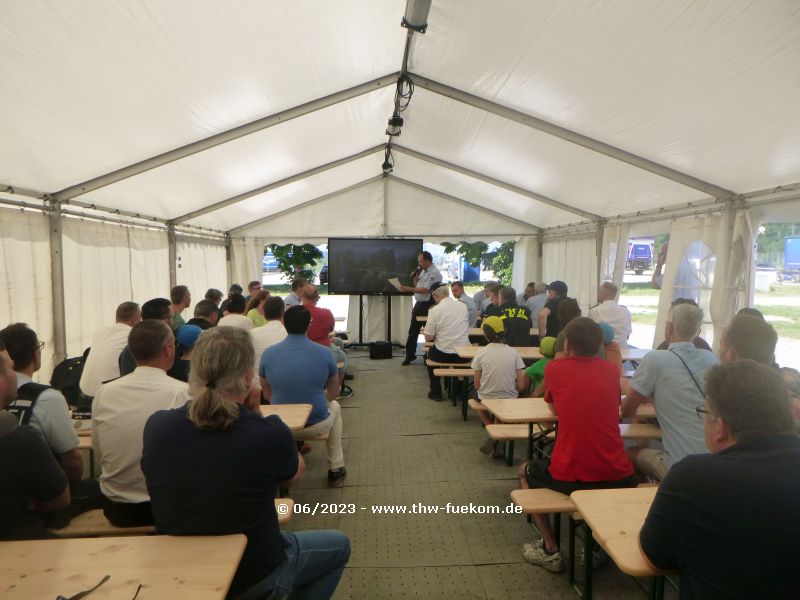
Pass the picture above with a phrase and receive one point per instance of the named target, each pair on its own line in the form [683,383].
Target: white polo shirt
[448,323]
[234,320]
[264,337]
[119,412]
[615,315]
[103,361]
[426,279]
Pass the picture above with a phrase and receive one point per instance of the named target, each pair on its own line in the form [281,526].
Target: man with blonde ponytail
[214,467]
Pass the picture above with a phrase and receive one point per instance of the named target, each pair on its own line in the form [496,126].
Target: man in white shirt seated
[268,335]
[457,289]
[608,311]
[446,327]
[234,314]
[536,302]
[119,412]
[527,294]
[295,298]
[102,363]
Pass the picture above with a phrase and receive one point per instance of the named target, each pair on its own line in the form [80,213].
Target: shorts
[537,474]
[652,463]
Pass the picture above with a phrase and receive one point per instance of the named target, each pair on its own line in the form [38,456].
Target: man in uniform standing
[423,278]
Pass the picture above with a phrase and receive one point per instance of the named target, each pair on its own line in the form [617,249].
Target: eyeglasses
[701,410]
[39,346]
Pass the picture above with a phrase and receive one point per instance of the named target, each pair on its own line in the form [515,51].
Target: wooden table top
[616,517]
[422,319]
[294,415]
[479,331]
[535,410]
[532,352]
[197,567]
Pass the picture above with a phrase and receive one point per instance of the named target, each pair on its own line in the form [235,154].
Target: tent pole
[57,280]
[385,224]
[229,260]
[599,240]
[173,256]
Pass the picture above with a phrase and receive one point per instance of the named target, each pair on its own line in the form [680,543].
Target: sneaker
[437,397]
[348,376]
[534,553]
[345,393]
[408,360]
[488,446]
[336,478]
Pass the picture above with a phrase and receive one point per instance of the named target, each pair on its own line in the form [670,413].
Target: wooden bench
[476,405]
[510,433]
[452,373]
[95,524]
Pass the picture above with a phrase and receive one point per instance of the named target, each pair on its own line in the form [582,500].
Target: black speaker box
[378,350]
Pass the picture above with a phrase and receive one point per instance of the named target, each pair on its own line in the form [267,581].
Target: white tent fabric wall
[25,278]
[374,325]
[201,266]
[615,247]
[247,256]
[527,262]
[685,276]
[104,265]
[574,262]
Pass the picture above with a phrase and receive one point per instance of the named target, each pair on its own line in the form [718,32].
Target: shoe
[437,397]
[488,446]
[534,553]
[348,376]
[345,393]
[499,453]
[408,361]
[336,478]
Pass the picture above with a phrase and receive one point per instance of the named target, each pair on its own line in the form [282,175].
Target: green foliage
[499,261]
[473,253]
[295,260]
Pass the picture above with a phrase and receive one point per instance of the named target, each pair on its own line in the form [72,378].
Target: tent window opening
[695,276]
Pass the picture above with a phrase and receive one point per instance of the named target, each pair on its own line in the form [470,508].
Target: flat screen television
[365,265]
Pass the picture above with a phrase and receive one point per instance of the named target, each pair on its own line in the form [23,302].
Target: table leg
[530,441]
[656,588]
[571,534]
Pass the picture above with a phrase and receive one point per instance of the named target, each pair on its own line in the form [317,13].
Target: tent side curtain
[25,278]
[247,257]
[615,246]
[574,262]
[201,266]
[527,262]
[697,246]
[104,265]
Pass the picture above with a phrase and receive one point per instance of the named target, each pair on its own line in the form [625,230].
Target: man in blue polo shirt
[299,371]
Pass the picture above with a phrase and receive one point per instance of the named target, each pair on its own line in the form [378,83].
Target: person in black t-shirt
[548,316]
[31,486]
[213,467]
[728,520]
[516,319]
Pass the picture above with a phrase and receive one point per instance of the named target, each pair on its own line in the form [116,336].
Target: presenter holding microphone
[423,278]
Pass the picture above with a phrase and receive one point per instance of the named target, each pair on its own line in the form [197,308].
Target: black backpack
[67,377]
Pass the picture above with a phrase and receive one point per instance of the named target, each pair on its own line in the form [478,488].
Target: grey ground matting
[403,449]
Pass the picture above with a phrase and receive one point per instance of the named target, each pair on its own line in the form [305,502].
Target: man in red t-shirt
[322,324]
[583,390]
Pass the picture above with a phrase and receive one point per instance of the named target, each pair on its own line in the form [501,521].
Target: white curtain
[247,255]
[527,262]
[695,244]
[201,266]
[106,264]
[25,278]
[615,247]
[573,261]
[374,324]
[730,290]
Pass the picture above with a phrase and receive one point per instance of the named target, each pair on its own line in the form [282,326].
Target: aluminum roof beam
[491,180]
[221,138]
[573,137]
[276,184]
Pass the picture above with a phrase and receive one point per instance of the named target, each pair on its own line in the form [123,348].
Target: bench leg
[656,588]
[557,527]
[510,452]
[464,398]
[587,561]
[530,441]
[571,550]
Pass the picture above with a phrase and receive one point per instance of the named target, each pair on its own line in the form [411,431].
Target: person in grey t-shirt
[457,288]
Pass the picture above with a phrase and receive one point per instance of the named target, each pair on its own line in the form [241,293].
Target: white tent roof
[545,113]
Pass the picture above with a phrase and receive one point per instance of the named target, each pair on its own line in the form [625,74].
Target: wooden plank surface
[197,567]
[294,415]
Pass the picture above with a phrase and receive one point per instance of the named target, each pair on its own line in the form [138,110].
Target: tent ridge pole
[226,136]
[573,137]
[276,184]
[497,182]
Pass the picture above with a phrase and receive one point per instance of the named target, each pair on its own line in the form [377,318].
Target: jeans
[312,568]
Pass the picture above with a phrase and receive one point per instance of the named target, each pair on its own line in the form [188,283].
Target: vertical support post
[57,280]
[599,234]
[385,224]
[539,260]
[229,260]
[173,255]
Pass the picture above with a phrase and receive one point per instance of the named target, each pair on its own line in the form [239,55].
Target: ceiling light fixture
[395,125]
[416,17]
